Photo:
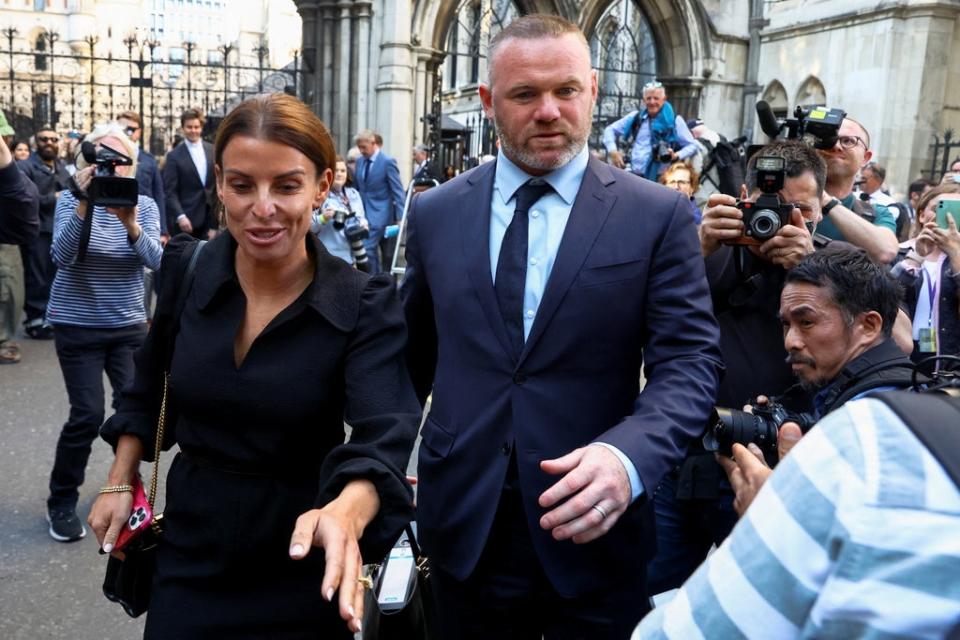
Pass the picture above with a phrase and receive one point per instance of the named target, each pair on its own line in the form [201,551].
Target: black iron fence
[943,151]
[74,87]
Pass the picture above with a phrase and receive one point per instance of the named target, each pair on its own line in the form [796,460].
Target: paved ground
[48,590]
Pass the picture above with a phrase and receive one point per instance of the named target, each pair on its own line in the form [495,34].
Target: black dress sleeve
[140,402]
[384,415]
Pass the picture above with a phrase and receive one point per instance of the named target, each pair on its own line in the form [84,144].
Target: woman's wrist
[81,209]
[133,231]
[357,503]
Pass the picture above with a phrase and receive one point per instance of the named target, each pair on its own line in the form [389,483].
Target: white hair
[105,130]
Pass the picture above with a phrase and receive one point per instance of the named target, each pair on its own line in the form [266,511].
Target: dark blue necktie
[366,170]
[512,264]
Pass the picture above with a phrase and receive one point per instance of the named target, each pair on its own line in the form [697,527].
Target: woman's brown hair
[927,198]
[278,117]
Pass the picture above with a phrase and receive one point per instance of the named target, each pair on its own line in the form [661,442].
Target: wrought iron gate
[54,84]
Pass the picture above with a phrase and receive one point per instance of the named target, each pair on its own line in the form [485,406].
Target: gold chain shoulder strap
[158,442]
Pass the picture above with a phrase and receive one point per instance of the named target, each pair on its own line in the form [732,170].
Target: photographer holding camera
[654,136]
[340,223]
[837,309]
[856,534]
[694,503]
[96,302]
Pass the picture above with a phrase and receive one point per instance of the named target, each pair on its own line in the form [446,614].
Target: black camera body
[663,152]
[107,189]
[730,426]
[817,126]
[765,216]
[355,233]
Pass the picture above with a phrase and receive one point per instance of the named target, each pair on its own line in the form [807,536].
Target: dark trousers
[38,274]
[380,251]
[509,597]
[686,529]
[84,355]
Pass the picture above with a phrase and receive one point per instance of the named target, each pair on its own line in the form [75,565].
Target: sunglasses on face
[653,85]
[46,139]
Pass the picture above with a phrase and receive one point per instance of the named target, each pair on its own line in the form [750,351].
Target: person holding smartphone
[930,275]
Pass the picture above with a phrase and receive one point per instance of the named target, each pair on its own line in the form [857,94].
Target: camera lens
[764,224]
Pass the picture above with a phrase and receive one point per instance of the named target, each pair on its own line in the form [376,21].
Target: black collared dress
[264,442]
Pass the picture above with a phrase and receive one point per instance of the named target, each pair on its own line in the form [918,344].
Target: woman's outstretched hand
[337,528]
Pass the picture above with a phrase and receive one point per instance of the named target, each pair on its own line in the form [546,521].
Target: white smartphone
[398,574]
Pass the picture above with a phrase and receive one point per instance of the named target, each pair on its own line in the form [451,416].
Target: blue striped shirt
[855,535]
[105,290]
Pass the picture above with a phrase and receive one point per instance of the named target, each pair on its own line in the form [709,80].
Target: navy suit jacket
[627,289]
[185,193]
[382,192]
[151,184]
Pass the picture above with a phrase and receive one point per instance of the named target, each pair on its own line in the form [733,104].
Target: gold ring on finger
[366,581]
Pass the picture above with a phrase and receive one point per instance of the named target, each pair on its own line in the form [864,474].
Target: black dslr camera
[817,126]
[663,152]
[765,216]
[346,221]
[107,189]
[729,426]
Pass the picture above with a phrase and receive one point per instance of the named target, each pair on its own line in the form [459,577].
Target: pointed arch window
[469,35]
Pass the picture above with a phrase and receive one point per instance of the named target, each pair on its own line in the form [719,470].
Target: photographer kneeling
[96,303]
[856,534]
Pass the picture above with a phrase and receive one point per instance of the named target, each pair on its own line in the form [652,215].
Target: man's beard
[523,155]
[814,384]
[47,153]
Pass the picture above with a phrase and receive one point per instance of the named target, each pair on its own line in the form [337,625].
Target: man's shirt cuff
[636,485]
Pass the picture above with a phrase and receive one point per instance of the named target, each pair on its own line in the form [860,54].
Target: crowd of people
[555,493]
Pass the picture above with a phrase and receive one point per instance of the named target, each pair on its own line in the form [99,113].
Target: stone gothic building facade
[893,65]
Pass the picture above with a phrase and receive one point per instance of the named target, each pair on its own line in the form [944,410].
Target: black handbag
[414,618]
[128,582]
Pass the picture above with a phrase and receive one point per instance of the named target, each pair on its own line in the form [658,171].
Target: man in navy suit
[148,171]
[188,181]
[378,181]
[536,287]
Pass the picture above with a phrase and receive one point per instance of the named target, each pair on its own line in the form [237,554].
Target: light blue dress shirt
[547,221]
[641,151]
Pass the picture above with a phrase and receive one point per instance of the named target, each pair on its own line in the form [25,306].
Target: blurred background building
[410,69]
[71,63]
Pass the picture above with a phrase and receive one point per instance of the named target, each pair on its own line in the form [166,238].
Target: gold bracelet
[116,488]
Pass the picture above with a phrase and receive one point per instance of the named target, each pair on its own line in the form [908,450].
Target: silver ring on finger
[603,514]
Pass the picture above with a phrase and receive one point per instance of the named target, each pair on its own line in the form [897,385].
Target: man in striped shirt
[855,535]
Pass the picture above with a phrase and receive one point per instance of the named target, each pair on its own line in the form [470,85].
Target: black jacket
[19,205]
[49,182]
[186,194]
[151,184]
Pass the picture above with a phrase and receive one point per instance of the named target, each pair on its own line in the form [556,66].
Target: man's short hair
[192,114]
[856,283]
[368,134]
[536,26]
[878,171]
[798,157]
[422,148]
[132,116]
[917,186]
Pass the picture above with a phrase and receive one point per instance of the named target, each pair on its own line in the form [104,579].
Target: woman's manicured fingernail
[351,611]
[330,594]
[107,548]
[296,550]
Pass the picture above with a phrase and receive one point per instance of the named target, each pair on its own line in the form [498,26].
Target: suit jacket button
[505,448]
[519,377]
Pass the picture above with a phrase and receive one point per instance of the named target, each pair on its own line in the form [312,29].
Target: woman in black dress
[279,344]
